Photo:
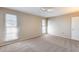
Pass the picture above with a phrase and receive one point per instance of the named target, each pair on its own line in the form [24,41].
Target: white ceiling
[36,11]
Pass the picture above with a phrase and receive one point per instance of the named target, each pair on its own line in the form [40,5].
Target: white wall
[61,25]
[1,28]
[30,26]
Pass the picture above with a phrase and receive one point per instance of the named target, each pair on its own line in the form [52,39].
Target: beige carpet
[46,43]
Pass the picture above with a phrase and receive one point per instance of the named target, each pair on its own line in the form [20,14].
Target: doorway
[44,26]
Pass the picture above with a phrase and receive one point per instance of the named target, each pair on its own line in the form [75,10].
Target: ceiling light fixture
[46,9]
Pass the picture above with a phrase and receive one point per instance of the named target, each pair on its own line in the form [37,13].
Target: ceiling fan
[46,9]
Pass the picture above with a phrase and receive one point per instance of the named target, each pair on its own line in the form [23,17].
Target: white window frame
[9,39]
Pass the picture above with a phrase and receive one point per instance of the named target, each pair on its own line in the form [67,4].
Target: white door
[75,28]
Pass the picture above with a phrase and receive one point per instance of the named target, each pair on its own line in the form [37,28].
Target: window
[11,27]
[44,26]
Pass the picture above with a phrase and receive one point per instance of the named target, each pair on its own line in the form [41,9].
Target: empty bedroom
[39,29]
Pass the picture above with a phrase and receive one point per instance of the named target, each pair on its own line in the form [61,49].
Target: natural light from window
[44,26]
[11,27]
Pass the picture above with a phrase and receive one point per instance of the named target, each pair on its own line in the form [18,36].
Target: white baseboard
[60,36]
